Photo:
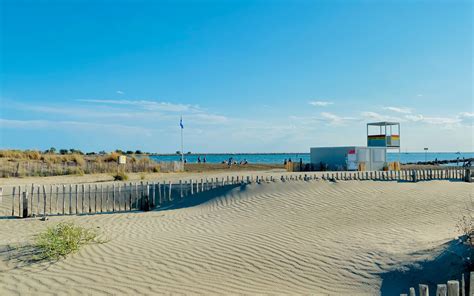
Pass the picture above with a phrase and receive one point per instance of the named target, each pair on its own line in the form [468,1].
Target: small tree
[63,151]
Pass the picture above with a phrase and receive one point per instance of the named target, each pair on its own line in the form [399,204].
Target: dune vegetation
[23,163]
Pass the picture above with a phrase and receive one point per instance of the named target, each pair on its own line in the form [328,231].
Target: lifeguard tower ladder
[384,134]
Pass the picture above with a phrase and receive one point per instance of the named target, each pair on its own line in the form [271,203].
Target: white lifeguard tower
[383,134]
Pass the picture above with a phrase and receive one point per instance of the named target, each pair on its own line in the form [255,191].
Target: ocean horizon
[277,158]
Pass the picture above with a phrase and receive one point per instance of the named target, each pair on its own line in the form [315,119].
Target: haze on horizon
[246,76]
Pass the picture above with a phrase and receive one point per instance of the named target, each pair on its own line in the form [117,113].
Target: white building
[349,158]
[380,137]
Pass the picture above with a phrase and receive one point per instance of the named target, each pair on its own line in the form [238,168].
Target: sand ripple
[279,238]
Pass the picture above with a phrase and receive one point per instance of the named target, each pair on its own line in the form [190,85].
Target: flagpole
[182,149]
[182,152]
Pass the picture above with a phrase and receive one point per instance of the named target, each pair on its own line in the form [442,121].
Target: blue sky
[247,76]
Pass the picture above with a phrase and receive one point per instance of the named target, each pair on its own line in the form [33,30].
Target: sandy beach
[278,238]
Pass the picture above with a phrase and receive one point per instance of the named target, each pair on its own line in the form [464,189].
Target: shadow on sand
[21,256]
[202,197]
[448,264]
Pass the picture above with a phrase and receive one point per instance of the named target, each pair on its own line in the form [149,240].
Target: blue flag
[181,123]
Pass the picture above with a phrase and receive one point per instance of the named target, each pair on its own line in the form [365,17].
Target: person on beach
[204,160]
[284,162]
[199,159]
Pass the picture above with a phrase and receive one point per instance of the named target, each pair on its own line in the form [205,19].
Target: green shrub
[120,176]
[62,240]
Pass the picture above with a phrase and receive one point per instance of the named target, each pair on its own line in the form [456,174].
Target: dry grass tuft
[63,239]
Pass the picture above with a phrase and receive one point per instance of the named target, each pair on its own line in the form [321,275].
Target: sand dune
[280,238]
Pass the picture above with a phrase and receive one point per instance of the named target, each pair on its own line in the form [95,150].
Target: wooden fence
[72,199]
[451,288]
[38,168]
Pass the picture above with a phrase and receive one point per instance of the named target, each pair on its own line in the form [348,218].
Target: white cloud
[320,103]
[369,115]
[419,95]
[120,92]
[403,110]
[148,105]
[334,119]
[446,121]
[417,117]
[466,114]
[67,125]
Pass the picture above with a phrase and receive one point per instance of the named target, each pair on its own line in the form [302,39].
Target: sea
[277,158]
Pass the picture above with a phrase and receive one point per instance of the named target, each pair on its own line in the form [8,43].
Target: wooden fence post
[424,291]
[50,199]
[89,197]
[13,199]
[38,201]
[83,197]
[44,201]
[441,290]
[101,198]
[463,286]
[181,188]
[471,283]
[57,199]
[153,191]
[467,177]
[25,204]
[106,198]
[169,193]
[142,194]
[64,199]
[95,199]
[192,186]
[147,198]
[19,200]
[136,196]
[119,193]
[453,288]
[412,292]
[32,193]
[159,193]
[70,199]
[113,197]
[129,199]
[76,195]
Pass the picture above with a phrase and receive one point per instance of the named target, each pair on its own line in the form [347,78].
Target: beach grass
[63,239]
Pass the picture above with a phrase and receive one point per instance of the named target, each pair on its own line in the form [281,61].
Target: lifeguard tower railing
[383,134]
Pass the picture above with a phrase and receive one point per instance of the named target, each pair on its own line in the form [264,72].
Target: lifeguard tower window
[383,134]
